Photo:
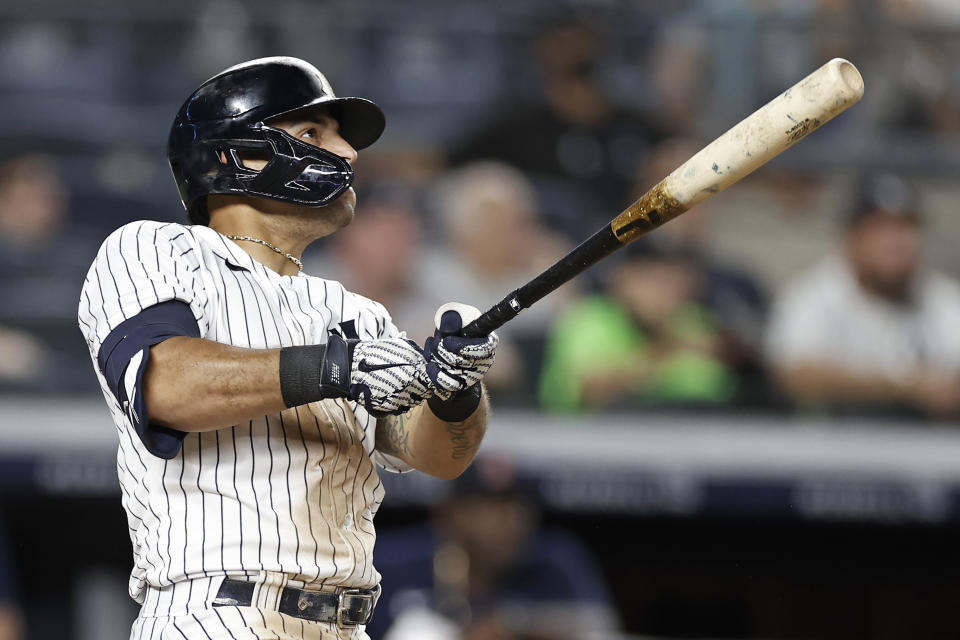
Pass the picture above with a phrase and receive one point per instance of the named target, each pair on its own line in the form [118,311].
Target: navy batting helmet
[228,115]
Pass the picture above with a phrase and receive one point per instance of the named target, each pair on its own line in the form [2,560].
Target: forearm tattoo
[393,436]
[465,437]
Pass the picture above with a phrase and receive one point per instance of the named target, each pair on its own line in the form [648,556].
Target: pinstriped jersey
[293,492]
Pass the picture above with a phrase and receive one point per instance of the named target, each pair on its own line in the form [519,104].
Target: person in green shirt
[644,340]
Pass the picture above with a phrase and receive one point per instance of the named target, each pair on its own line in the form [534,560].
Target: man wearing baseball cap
[872,329]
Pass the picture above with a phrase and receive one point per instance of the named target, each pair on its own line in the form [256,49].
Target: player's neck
[240,219]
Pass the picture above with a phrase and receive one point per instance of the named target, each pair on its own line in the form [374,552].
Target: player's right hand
[456,363]
[388,375]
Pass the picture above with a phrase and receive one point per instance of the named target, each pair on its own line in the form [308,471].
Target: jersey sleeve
[145,285]
[389,330]
[140,265]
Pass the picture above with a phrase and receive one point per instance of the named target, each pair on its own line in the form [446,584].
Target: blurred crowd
[482,567]
[825,284]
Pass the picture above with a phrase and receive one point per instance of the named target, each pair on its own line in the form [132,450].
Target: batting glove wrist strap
[459,407]
[314,372]
[335,372]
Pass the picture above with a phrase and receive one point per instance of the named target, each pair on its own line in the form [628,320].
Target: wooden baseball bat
[760,137]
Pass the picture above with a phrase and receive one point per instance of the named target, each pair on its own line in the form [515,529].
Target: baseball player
[253,402]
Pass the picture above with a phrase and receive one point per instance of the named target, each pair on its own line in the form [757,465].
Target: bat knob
[467,313]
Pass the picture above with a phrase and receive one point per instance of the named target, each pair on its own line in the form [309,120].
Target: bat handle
[599,245]
[495,317]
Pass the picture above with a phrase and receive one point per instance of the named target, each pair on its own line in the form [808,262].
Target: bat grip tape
[494,318]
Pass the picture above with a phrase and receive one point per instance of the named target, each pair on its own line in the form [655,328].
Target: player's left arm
[438,447]
[441,436]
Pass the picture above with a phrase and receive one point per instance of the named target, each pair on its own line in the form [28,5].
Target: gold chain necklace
[295,260]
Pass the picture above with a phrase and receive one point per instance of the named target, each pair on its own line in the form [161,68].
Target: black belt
[346,607]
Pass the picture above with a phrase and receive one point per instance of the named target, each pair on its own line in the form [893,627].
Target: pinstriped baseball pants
[184,612]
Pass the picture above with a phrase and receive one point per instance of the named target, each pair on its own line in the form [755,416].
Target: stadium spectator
[22,358]
[578,147]
[871,329]
[494,242]
[484,570]
[732,295]
[41,264]
[645,339]
[41,253]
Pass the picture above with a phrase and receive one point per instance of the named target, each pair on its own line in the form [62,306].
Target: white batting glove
[389,375]
[455,363]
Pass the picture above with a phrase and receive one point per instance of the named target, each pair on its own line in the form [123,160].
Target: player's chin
[321,221]
[348,201]
[340,212]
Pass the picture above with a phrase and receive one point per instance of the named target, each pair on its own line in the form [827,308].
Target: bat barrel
[764,134]
[761,136]
[758,138]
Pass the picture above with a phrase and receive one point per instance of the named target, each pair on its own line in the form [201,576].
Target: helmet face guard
[226,117]
[296,172]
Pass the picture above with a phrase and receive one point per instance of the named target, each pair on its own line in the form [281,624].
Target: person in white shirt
[871,328]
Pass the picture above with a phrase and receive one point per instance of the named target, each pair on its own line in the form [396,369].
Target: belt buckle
[367,610]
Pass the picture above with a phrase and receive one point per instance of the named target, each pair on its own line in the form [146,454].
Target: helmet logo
[315,176]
